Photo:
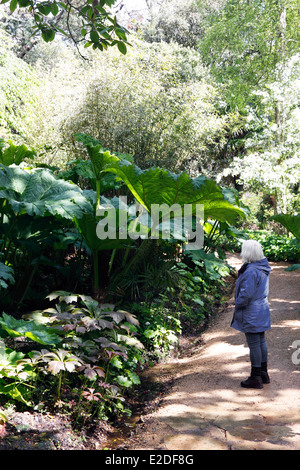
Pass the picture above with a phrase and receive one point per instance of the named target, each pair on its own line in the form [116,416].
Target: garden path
[206,409]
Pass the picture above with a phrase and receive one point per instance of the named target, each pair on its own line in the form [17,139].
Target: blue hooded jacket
[252,313]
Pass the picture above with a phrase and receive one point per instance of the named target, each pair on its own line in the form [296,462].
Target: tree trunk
[282,50]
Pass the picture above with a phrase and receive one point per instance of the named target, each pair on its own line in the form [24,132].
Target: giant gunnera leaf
[38,192]
[290,222]
[159,186]
[34,331]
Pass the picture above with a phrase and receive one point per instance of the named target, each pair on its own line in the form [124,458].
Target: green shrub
[90,346]
[159,326]
[277,247]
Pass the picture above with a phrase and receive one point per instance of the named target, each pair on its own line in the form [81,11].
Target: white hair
[251,251]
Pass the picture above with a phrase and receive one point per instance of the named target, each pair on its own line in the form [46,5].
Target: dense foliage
[49,241]
[17,98]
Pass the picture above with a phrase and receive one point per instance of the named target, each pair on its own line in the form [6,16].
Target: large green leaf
[84,169]
[15,391]
[290,222]
[98,158]
[87,226]
[6,275]
[38,192]
[9,356]
[36,332]
[36,233]
[14,154]
[293,267]
[159,186]
[95,150]
[215,267]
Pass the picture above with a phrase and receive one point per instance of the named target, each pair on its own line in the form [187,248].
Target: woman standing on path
[252,313]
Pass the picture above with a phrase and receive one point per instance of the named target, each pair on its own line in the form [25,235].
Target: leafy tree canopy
[99,28]
[245,43]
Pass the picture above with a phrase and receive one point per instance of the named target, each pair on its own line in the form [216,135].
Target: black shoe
[255,379]
[264,373]
[252,382]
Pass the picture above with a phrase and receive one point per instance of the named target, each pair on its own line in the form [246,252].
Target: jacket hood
[261,265]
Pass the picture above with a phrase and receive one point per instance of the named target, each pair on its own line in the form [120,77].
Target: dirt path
[206,409]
